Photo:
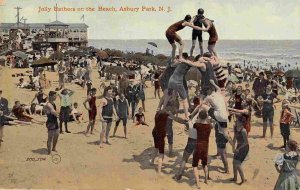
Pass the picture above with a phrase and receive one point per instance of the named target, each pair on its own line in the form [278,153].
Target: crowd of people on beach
[216,101]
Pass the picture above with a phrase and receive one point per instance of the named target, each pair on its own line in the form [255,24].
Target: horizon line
[190,39]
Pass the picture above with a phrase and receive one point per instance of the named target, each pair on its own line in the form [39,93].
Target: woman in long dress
[286,165]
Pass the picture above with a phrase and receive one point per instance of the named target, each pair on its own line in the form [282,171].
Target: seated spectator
[35,109]
[140,118]
[75,115]
[19,111]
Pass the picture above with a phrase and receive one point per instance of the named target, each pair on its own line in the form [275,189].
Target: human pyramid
[209,108]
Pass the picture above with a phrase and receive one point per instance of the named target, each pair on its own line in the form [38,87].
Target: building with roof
[55,34]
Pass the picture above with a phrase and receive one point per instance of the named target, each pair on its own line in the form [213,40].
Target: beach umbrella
[279,73]
[153,44]
[57,56]
[293,73]
[117,70]
[268,72]
[89,49]
[43,62]
[233,78]
[163,63]
[20,54]
[78,53]
[102,54]
[161,57]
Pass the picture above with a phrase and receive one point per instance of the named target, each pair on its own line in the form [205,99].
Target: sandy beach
[80,164]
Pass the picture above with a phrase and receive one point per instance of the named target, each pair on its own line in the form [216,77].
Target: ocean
[266,52]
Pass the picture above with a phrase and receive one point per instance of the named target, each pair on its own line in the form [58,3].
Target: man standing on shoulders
[213,36]
[51,123]
[106,112]
[197,33]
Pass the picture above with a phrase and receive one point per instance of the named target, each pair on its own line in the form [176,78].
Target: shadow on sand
[272,147]
[144,159]
[42,151]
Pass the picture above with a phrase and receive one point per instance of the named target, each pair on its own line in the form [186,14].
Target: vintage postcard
[149,95]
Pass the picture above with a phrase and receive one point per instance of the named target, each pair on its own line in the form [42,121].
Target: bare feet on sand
[233,180]
[243,181]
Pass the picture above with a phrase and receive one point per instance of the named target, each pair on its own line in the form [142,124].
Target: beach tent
[43,62]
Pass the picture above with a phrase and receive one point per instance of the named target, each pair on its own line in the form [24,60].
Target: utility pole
[18,15]
[56,11]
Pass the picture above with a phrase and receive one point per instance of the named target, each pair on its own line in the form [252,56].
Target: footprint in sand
[255,173]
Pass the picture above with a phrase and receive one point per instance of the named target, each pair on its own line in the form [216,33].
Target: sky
[233,19]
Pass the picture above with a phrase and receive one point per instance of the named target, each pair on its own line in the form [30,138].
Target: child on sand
[241,150]
[75,114]
[92,109]
[286,118]
[140,118]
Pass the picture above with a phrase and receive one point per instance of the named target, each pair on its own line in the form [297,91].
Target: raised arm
[177,119]
[244,111]
[193,64]
[214,84]
[52,110]
[193,26]
[278,100]
[208,24]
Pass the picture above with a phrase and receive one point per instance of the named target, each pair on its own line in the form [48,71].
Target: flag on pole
[82,18]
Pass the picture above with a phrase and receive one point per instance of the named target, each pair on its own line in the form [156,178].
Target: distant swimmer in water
[172,36]
[213,36]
